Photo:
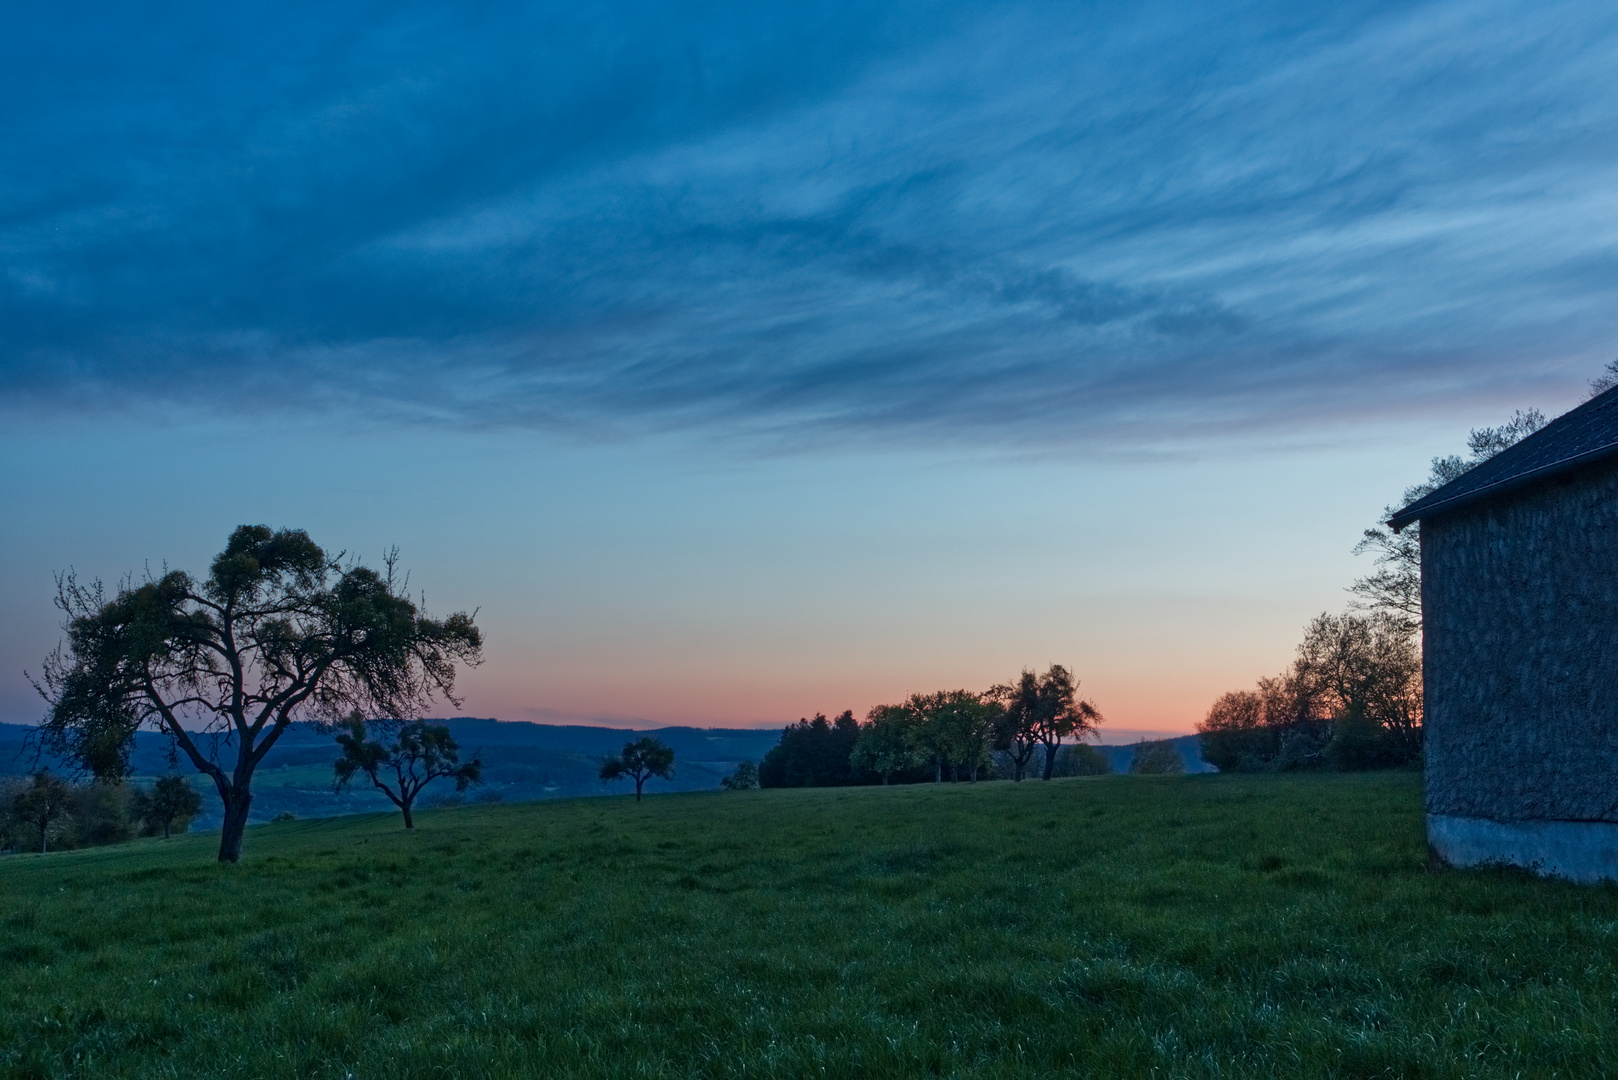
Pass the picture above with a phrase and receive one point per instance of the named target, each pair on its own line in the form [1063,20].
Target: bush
[100,815]
[88,815]
[1158,758]
[744,778]
[1081,759]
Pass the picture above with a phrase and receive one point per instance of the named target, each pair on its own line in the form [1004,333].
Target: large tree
[886,743]
[1042,710]
[954,729]
[402,758]
[1394,587]
[278,631]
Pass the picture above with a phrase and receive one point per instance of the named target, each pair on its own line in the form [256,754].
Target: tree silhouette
[744,778]
[1042,710]
[414,753]
[43,803]
[278,631]
[640,761]
[171,800]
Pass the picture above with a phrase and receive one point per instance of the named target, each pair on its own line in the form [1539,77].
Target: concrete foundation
[1583,851]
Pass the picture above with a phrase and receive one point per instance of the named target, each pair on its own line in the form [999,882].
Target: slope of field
[1204,926]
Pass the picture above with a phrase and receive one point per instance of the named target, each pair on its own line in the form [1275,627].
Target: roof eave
[1417,512]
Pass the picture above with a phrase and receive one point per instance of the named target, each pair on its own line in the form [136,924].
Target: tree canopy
[813,753]
[278,631]
[640,761]
[1394,586]
[400,758]
[171,802]
[1041,711]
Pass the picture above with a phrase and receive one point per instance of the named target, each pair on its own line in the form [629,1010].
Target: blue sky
[784,358]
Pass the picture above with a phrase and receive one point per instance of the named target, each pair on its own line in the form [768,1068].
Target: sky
[742,361]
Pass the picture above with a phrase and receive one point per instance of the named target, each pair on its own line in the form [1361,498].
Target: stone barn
[1519,593]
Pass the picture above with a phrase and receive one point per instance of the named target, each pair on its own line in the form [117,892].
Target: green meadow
[1210,926]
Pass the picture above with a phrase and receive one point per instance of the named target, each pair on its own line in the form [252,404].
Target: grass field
[1118,926]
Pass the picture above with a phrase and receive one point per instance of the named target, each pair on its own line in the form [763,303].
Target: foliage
[640,761]
[42,807]
[1394,587]
[1081,759]
[1156,758]
[813,753]
[954,730]
[407,756]
[743,778]
[1039,711]
[887,743]
[100,813]
[277,630]
[167,808]
[1201,928]
[1358,670]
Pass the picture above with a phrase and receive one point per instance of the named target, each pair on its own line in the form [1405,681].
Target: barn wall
[1520,608]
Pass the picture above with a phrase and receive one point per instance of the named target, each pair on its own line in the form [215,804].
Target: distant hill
[1121,756]
[522,762]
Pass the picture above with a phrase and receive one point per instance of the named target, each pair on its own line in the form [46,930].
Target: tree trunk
[409,821]
[230,834]
[166,824]
[638,783]
[1050,758]
[44,842]
[938,769]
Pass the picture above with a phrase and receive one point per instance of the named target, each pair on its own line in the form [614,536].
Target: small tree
[640,761]
[167,808]
[43,806]
[413,753]
[745,778]
[1158,758]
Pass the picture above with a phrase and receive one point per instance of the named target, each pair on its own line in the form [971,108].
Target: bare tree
[1603,382]
[1394,587]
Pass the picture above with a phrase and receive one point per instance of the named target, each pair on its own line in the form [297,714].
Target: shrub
[744,778]
[1158,758]
[1081,759]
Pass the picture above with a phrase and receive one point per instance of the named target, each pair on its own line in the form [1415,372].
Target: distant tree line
[44,812]
[1008,730]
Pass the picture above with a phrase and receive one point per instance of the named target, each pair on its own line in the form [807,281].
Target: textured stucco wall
[1520,648]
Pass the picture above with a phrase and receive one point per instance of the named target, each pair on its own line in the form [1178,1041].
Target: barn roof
[1576,438]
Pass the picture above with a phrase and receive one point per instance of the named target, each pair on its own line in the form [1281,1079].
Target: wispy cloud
[1036,225]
